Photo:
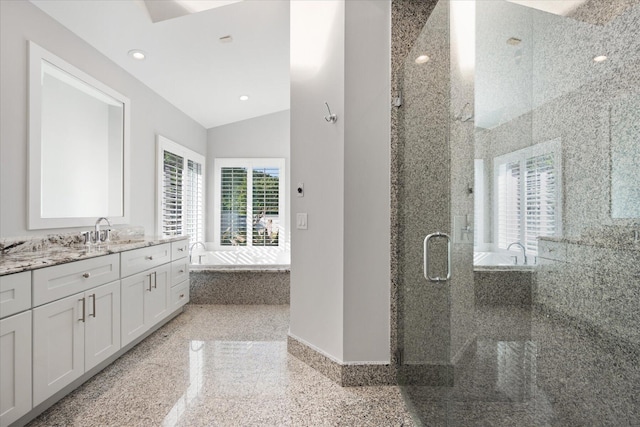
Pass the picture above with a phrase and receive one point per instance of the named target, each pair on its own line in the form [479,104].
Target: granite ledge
[26,261]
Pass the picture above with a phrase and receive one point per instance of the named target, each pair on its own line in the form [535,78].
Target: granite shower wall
[572,98]
[590,272]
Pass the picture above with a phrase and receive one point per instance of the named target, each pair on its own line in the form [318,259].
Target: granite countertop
[16,262]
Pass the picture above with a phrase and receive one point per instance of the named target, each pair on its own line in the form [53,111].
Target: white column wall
[340,281]
[317,159]
[367,202]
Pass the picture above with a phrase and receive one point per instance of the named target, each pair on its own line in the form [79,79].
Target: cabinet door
[58,345]
[15,367]
[102,328]
[134,291]
[157,301]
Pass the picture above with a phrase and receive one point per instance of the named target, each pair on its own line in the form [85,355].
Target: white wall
[340,266]
[366,199]
[264,136]
[317,159]
[150,115]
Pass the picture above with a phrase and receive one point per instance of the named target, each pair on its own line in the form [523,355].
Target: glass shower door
[435,249]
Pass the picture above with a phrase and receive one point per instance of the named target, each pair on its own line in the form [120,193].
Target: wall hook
[331,118]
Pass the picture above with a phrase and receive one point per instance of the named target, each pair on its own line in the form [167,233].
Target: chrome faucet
[106,234]
[97,235]
[191,250]
[524,251]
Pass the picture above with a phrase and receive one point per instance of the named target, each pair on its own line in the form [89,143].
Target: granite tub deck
[235,286]
[222,366]
[498,286]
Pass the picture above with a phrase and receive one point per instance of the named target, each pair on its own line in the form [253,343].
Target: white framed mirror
[78,146]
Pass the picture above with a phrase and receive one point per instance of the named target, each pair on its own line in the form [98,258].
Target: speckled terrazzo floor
[222,366]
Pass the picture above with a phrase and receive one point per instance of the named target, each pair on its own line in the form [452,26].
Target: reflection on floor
[222,366]
[531,370]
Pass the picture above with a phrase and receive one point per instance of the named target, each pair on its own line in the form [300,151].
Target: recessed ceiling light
[137,54]
[422,59]
[243,97]
[514,41]
[600,58]
[226,39]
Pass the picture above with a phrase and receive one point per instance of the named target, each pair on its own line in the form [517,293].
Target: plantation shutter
[541,203]
[509,204]
[172,194]
[265,206]
[195,202]
[233,206]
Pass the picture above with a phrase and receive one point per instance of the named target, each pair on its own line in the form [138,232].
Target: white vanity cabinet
[145,295]
[179,275]
[60,324]
[15,346]
[72,335]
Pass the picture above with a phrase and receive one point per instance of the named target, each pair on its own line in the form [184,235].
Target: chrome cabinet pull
[180,249]
[181,296]
[149,257]
[86,275]
[82,319]
[94,306]
[149,282]
[426,263]
[155,280]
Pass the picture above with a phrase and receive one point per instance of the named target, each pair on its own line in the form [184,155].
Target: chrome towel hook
[331,118]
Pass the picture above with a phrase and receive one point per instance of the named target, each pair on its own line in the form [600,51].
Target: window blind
[172,194]
[233,206]
[265,206]
[509,204]
[528,195]
[540,200]
[194,223]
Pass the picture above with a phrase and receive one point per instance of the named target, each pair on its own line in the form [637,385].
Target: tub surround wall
[503,287]
[264,136]
[150,114]
[239,287]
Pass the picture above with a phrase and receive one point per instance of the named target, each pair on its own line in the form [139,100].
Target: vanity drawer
[52,283]
[179,271]
[15,293]
[137,260]
[179,249]
[179,295]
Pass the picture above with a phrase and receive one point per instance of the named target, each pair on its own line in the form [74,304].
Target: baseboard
[346,375]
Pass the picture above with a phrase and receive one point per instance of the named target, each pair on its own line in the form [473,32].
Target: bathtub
[498,261]
[247,259]
[240,276]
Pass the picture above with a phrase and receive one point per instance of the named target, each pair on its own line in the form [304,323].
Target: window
[180,191]
[249,205]
[527,185]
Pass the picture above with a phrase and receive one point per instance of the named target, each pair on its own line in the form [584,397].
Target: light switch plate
[301,221]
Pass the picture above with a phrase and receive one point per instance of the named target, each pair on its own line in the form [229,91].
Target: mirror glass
[77,146]
[625,157]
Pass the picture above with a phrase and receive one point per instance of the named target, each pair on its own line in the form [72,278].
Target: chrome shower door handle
[426,262]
